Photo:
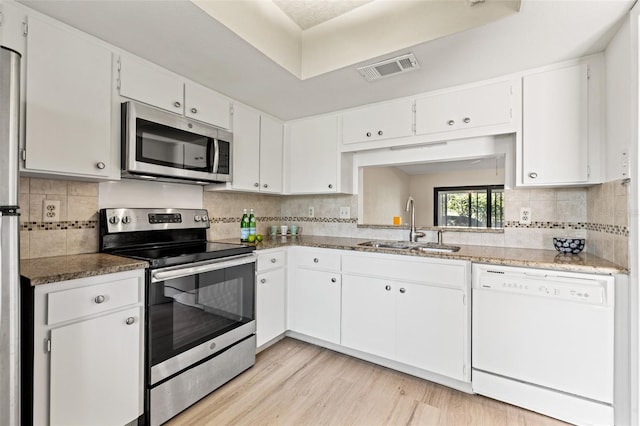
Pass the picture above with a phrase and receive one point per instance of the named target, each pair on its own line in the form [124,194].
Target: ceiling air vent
[389,67]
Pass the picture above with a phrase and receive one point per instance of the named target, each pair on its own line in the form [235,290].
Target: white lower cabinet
[415,312]
[270,296]
[314,293]
[88,348]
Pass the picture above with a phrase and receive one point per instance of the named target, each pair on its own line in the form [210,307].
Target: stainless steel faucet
[413,234]
[440,236]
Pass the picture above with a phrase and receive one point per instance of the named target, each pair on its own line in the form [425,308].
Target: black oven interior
[187,311]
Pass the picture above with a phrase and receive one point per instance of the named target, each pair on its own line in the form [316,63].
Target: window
[469,206]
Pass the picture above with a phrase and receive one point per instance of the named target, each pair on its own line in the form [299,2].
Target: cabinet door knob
[451,122]
[256,184]
[379,132]
[533,175]
[99,299]
[403,290]
[264,280]
[265,185]
[100,165]
[368,134]
[273,260]
[467,120]
[177,104]
[387,287]
[130,320]
[194,110]
[330,186]
[316,260]
[333,280]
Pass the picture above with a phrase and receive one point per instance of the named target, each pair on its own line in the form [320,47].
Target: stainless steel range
[200,303]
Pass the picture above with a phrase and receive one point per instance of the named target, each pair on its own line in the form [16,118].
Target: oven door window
[166,146]
[187,311]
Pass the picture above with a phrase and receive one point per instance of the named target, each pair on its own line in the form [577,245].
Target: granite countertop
[61,268]
[508,256]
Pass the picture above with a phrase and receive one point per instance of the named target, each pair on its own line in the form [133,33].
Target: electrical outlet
[525,215]
[50,210]
[311,212]
[345,212]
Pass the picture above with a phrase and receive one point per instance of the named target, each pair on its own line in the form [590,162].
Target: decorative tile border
[58,226]
[598,227]
[287,219]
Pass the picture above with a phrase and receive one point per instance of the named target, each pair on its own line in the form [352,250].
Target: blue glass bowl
[569,245]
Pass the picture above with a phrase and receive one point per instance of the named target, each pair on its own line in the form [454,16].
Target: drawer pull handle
[316,260]
[451,122]
[100,165]
[402,290]
[177,104]
[533,175]
[380,133]
[273,260]
[368,134]
[130,320]
[194,110]
[387,287]
[467,120]
[264,280]
[99,299]
[333,280]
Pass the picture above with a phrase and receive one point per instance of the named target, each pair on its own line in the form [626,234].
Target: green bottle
[244,226]
[252,223]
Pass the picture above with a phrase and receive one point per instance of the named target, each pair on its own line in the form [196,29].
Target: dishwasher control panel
[543,285]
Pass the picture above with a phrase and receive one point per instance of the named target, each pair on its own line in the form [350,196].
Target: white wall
[385,192]
[618,104]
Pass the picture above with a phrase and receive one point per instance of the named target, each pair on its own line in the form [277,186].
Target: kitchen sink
[434,247]
[401,245]
[406,245]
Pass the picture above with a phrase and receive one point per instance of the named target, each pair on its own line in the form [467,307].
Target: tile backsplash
[77,229]
[598,213]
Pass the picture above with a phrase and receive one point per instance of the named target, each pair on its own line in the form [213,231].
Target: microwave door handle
[216,156]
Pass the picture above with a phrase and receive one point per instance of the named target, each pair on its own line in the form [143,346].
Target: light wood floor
[296,383]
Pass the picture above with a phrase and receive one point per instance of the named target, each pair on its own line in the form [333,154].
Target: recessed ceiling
[184,39]
[342,33]
[309,13]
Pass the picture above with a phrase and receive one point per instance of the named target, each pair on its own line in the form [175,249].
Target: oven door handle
[199,268]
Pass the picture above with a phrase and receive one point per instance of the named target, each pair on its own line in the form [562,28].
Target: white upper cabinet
[560,143]
[68,104]
[150,84]
[246,149]
[478,107]
[382,121]
[313,163]
[271,155]
[257,153]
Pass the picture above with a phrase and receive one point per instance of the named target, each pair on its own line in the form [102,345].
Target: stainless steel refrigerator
[9,235]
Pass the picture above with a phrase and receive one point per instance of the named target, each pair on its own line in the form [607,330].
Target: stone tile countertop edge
[507,256]
[46,270]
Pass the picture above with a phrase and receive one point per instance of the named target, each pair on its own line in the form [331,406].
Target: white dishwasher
[544,340]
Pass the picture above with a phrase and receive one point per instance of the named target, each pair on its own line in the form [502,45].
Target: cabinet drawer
[270,261]
[317,259]
[79,302]
[444,273]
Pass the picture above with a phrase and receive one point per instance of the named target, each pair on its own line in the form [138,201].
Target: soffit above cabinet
[181,37]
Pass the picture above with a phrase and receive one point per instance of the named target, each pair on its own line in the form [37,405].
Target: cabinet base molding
[270,343]
[417,372]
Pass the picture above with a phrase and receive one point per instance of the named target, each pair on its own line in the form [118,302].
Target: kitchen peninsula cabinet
[87,346]
[415,312]
[381,121]
[560,143]
[257,153]
[313,164]
[150,84]
[270,295]
[488,106]
[68,104]
[314,293]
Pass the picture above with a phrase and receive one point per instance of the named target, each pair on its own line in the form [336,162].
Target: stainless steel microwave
[159,145]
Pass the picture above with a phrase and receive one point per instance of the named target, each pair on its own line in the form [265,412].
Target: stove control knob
[126,220]
[114,220]
[197,218]
[205,218]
